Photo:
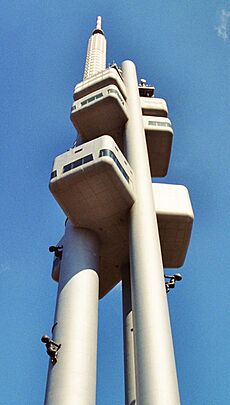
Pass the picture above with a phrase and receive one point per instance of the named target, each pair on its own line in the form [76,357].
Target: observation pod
[93,184]
[154,106]
[103,111]
[159,134]
[106,108]
[108,76]
[175,220]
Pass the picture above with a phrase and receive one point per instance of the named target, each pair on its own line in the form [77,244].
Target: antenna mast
[96,52]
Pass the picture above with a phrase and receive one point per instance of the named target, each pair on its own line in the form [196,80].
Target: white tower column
[156,379]
[129,362]
[72,380]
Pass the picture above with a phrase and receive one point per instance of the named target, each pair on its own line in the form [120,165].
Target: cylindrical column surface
[156,379]
[129,362]
[72,380]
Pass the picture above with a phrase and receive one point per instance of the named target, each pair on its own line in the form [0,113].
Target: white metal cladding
[159,135]
[97,96]
[107,110]
[108,114]
[154,106]
[93,184]
[175,218]
[92,147]
[98,81]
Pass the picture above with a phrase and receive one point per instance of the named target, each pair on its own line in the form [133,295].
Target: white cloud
[222,27]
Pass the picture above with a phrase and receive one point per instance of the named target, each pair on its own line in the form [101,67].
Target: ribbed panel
[96,55]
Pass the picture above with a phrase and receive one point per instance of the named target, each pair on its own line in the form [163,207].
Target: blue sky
[183,48]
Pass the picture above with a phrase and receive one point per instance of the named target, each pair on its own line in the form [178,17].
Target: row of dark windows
[90,99]
[159,124]
[88,158]
[98,95]
[108,152]
[77,163]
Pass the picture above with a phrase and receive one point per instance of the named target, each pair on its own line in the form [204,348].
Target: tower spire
[96,52]
[98,23]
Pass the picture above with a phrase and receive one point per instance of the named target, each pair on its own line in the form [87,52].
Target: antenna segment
[98,23]
[96,52]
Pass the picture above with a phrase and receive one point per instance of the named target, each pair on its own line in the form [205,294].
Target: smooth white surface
[72,380]
[101,79]
[156,380]
[159,135]
[174,217]
[100,112]
[98,23]
[104,111]
[172,200]
[129,361]
[92,147]
[95,194]
[84,102]
[154,106]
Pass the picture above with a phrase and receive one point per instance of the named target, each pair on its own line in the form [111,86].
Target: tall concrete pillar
[129,362]
[156,379]
[72,380]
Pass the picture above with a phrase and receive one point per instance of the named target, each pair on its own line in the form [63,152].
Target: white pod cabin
[159,135]
[112,75]
[154,106]
[93,183]
[175,219]
[102,111]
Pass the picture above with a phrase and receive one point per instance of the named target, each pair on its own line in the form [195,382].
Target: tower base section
[72,380]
